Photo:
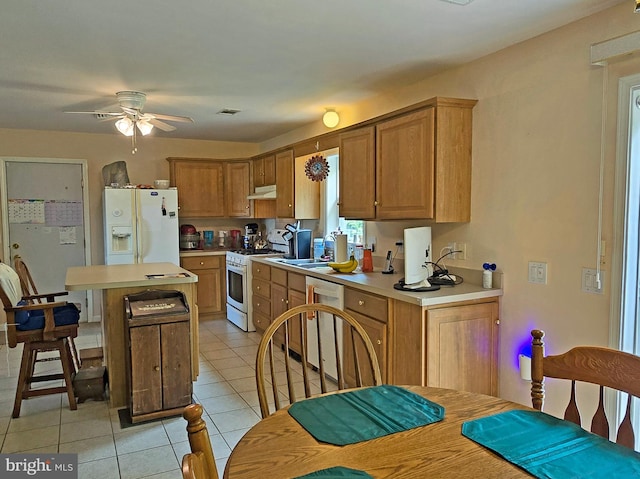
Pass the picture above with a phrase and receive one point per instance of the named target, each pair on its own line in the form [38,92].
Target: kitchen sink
[303,263]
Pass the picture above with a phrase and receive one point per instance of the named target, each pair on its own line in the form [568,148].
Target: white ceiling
[280,62]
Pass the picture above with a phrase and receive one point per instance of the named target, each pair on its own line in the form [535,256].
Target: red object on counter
[367,261]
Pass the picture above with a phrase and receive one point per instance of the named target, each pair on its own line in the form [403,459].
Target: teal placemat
[364,414]
[551,448]
[338,472]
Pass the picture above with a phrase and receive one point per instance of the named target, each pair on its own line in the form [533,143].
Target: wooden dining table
[278,447]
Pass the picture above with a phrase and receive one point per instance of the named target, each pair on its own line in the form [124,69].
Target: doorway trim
[4,212]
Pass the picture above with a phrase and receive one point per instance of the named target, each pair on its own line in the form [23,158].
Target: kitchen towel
[335,473]
[363,414]
[341,248]
[551,448]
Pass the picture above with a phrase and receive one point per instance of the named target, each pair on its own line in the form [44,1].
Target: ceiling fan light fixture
[330,118]
[144,126]
[125,126]
[637,9]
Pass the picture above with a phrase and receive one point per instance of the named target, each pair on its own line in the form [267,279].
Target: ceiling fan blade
[108,113]
[161,125]
[159,116]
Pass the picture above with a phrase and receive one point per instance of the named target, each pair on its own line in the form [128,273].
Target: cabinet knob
[290,205]
[201,263]
[361,302]
[258,270]
[258,288]
[375,203]
[497,321]
[246,207]
[379,341]
[258,305]
[157,368]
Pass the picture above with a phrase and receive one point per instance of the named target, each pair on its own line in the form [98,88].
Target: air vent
[227,111]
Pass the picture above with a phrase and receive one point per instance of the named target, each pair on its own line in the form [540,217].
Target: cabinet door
[295,298]
[279,304]
[284,185]
[270,170]
[200,188]
[258,172]
[211,287]
[176,364]
[405,166]
[462,348]
[146,370]
[357,174]
[377,332]
[237,188]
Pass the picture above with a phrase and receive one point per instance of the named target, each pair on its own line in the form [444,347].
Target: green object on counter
[364,414]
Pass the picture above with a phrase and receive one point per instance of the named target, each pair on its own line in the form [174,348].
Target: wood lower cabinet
[211,283]
[453,345]
[371,311]
[160,376]
[261,295]
[462,342]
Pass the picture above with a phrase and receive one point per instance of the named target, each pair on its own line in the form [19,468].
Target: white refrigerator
[141,226]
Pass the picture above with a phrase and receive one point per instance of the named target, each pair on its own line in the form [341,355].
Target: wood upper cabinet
[264,171]
[237,188]
[404,166]
[422,165]
[297,196]
[358,174]
[200,184]
[284,184]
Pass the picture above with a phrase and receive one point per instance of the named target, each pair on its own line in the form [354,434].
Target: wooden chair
[602,366]
[42,327]
[200,463]
[302,332]
[30,292]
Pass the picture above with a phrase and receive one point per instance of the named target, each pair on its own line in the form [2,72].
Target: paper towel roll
[341,248]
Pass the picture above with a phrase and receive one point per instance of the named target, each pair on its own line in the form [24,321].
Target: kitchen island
[118,281]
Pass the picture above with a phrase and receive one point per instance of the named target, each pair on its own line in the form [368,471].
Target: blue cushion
[34,319]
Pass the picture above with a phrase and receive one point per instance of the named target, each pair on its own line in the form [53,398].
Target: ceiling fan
[131,118]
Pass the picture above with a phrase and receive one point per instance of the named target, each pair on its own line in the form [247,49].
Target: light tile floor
[225,388]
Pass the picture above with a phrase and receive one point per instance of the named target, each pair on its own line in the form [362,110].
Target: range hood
[264,193]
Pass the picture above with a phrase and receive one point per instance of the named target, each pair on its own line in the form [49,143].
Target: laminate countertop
[81,278]
[382,284]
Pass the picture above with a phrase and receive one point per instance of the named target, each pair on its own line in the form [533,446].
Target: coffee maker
[250,232]
[299,243]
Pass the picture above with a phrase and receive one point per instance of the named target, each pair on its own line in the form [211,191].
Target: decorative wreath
[316,168]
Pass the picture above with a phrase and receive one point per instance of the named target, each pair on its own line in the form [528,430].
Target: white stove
[239,305]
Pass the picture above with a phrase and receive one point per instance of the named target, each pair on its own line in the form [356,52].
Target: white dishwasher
[331,294]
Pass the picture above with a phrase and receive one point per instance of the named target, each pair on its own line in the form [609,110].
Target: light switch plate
[537,272]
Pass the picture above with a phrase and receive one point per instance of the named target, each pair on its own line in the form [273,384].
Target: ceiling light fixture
[330,118]
[128,125]
[637,9]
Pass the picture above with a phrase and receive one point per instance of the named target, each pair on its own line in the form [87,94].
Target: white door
[45,221]
[158,240]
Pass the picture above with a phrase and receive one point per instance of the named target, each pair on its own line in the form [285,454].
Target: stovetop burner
[251,251]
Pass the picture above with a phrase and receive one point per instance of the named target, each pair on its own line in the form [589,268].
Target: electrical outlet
[462,248]
[589,281]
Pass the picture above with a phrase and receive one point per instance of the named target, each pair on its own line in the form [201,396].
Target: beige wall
[536,155]
[536,160]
